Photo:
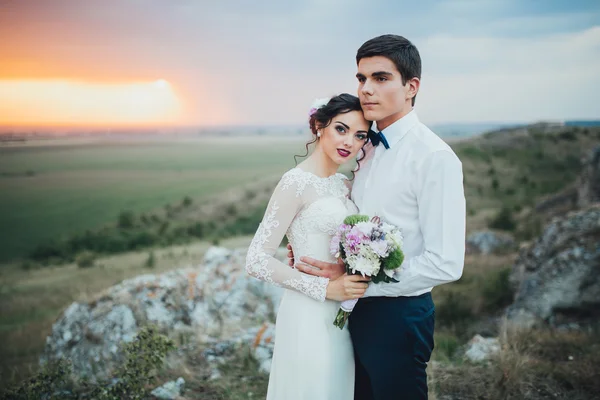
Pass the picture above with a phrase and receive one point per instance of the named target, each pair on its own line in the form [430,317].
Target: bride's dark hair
[322,117]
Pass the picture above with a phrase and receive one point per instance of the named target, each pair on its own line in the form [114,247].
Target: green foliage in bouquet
[355,219]
[343,256]
[392,261]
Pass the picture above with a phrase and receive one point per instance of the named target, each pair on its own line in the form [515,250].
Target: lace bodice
[308,209]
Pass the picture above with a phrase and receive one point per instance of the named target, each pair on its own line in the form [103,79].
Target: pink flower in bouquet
[369,247]
[353,240]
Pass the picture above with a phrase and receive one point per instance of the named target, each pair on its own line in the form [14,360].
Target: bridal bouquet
[368,247]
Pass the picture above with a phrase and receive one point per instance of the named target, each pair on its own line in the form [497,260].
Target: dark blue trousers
[393,341]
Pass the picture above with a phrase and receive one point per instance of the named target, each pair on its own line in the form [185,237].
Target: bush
[126,220]
[85,259]
[497,291]
[144,357]
[163,228]
[187,201]
[150,261]
[51,378]
[446,346]
[455,310]
[495,184]
[141,240]
[503,220]
[51,250]
[231,210]
[524,180]
[568,136]
[196,230]
[28,264]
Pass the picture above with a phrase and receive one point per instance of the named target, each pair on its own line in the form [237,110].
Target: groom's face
[382,95]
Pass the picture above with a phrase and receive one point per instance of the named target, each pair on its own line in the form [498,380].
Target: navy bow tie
[377,137]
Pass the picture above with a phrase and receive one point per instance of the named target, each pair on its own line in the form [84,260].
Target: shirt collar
[398,129]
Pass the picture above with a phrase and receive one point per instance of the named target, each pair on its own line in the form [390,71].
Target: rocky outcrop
[589,181]
[488,242]
[211,302]
[558,277]
[481,349]
[260,339]
[170,390]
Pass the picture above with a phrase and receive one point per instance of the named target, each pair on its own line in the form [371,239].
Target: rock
[170,390]
[558,277]
[261,340]
[589,181]
[481,349]
[487,242]
[215,256]
[214,301]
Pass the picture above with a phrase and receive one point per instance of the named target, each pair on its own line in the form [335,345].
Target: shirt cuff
[372,290]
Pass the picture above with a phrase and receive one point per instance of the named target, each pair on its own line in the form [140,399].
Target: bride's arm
[285,203]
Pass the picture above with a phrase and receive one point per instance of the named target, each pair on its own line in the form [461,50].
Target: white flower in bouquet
[366,262]
[369,247]
[366,228]
[393,234]
[380,247]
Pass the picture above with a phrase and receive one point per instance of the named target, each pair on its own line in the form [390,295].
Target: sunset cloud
[240,62]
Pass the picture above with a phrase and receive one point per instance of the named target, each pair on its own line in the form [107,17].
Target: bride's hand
[347,287]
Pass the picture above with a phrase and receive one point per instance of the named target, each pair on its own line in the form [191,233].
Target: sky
[236,62]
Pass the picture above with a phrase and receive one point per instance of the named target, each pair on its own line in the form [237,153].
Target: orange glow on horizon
[47,102]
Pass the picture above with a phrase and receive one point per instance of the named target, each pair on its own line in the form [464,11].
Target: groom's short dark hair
[399,50]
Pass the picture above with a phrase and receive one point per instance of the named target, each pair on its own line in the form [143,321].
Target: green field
[50,189]
[61,187]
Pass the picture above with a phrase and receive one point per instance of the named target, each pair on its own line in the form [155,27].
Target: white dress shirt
[416,185]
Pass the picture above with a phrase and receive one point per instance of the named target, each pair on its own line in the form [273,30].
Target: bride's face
[345,135]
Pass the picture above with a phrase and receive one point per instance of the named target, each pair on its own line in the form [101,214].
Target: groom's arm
[441,206]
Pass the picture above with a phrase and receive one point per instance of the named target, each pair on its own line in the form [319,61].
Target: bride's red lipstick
[343,153]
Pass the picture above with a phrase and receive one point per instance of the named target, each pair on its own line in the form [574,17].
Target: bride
[313,359]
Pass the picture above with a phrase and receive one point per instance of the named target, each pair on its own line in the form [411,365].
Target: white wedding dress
[313,359]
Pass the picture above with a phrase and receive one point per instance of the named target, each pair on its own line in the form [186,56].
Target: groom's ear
[413,87]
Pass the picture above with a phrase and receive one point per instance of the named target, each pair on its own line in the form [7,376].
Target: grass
[531,365]
[513,169]
[64,189]
[33,299]
[480,295]
[74,187]
[240,378]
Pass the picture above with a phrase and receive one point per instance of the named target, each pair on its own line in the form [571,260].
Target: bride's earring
[318,134]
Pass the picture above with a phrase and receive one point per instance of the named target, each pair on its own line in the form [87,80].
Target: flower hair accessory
[318,103]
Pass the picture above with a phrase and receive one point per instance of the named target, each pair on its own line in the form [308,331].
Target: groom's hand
[290,255]
[322,268]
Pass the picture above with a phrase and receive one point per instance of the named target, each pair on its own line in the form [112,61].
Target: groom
[412,179]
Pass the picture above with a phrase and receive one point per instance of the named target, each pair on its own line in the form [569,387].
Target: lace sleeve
[285,203]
